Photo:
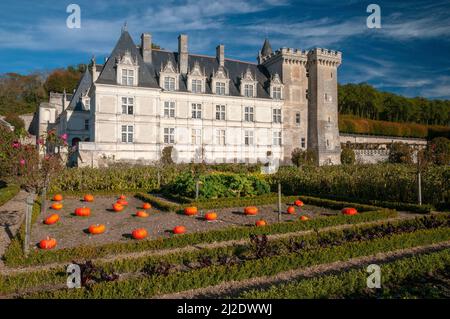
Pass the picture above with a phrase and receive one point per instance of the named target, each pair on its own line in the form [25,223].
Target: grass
[7,193]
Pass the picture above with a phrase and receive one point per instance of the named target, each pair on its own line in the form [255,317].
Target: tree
[166,156]
[15,121]
[438,151]
[348,156]
[64,79]
[300,157]
[400,153]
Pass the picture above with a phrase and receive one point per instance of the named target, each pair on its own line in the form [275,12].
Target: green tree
[348,156]
[15,121]
[400,153]
[301,157]
[438,151]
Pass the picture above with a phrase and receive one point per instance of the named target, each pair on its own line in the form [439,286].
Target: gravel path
[233,288]
[12,214]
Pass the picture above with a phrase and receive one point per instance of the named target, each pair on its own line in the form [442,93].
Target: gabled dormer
[169,77]
[276,87]
[220,82]
[196,79]
[127,69]
[248,84]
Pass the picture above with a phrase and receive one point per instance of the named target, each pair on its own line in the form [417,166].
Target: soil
[71,230]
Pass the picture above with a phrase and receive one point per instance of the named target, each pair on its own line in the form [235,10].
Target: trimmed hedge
[145,287]
[353,282]
[7,193]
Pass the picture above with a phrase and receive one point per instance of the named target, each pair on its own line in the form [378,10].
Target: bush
[301,157]
[166,156]
[347,156]
[438,151]
[15,121]
[218,184]
[400,153]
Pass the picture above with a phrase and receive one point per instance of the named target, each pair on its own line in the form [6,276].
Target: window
[329,119]
[169,135]
[248,114]
[196,136]
[127,134]
[277,138]
[169,109]
[248,90]
[328,143]
[297,118]
[127,77]
[276,114]
[86,125]
[306,93]
[328,98]
[303,142]
[196,111]
[220,112]
[127,105]
[220,136]
[276,94]
[169,83]
[248,138]
[196,86]
[220,88]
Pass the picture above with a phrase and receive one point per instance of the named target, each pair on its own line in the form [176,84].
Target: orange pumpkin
[122,202]
[190,211]
[261,223]
[210,216]
[83,211]
[122,197]
[291,210]
[139,233]
[251,210]
[142,214]
[88,198]
[117,207]
[57,206]
[97,229]
[304,217]
[179,230]
[146,206]
[349,211]
[48,243]
[57,198]
[52,219]
[298,203]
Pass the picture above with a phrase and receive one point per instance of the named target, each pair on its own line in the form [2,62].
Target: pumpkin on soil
[142,214]
[122,202]
[117,207]
[298,203]
[57,206]
[146,206]
[211,216]
[304,217]
[349,211]
[139,233]
[122,197]
[52,219]
[179,230]
[97,229]
[190,211]
[88,198]
[291,210]
[260,223]
[251,210]
[57,198]
[48,243]
[83,211]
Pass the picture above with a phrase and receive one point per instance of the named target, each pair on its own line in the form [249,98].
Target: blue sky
[409,55]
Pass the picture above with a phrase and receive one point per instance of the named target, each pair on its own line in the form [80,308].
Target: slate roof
[83,86]
[149,72]
[267,48]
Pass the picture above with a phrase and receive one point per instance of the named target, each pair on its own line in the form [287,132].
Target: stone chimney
[220,54]
[146,47]
[183,53]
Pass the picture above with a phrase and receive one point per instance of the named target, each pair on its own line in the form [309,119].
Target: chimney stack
[183,53]
[146,47]
[220,54]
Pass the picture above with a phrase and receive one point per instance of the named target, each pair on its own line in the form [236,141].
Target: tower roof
[267,48]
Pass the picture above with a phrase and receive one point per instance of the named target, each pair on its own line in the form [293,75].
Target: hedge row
[382,182]
[353,283]
[372,127]
[310,241]
[14,255]
[145,287]
[7,193]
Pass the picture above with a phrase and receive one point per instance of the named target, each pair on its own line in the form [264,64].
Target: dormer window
[248,84]
[196,79]
[220,82]
[276,87]
[127,70]
[169,83]
[196,86]
[220,88]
